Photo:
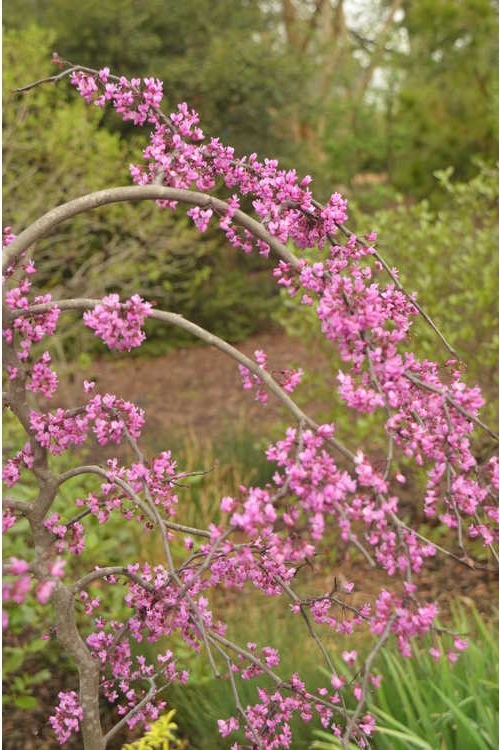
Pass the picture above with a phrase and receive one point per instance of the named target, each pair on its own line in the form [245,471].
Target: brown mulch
[199,389]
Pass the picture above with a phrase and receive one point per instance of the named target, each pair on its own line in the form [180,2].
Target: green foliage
[160,736]
[248,87]
[325,741]
[446,107]
[221,57]
[239,459]
[410,690]
[52,149]
[28,659]
[218,468]
[453,704]
[24,668]
[328,90]
[113,543]
[435,704]
[205,699]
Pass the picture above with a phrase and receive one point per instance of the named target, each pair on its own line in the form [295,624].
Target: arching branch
[213,340]
[134,193]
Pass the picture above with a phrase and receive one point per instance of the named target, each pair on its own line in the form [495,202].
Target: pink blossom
[226,727]
[349,656]
[44,591]
[367,724]
[68,715]
[17,567]
[119,324]
[200,217]
[227,504]
[8,520]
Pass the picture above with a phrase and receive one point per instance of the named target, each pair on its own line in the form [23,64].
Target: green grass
[421,703]
[435,705]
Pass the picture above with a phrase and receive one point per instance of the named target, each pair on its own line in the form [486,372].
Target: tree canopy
[339,89]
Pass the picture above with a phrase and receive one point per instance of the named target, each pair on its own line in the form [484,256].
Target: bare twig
[364,685]
[19,505]
[134,193]
[114,570]
[153,691]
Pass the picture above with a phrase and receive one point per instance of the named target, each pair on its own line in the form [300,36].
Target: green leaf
[412,739]
[469,728]
[42,676]
[26,701]
[327,741]
[12,660]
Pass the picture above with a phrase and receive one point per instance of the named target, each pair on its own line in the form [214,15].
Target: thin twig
[114,570]
[20,505]
[364,686]
[153,691]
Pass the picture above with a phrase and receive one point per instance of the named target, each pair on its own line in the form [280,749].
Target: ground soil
[198,390]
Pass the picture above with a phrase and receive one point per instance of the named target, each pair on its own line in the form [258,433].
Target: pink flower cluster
[110,418]
[406,620]
[31,328]
[119,324]
[250,380]
[158,611]
[11,472]
[133,100]
[8,520]
[69,538]
[67,717]
[366,320]
[178,153]
[268,722]
[44,379]
[123,485]
[288,379]
[17,586]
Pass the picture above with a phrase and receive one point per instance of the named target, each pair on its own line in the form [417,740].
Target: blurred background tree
[446,107]
[397,88]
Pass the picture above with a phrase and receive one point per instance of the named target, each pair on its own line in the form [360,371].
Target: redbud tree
[267,533]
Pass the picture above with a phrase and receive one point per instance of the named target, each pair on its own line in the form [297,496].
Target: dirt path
[199,389]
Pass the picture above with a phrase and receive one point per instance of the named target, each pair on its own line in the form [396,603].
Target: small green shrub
[160,736]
